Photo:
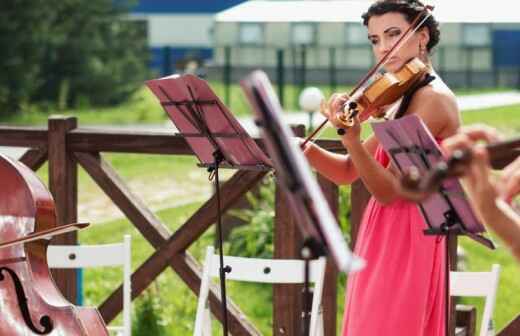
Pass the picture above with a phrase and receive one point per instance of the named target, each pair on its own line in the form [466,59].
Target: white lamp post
[310,101]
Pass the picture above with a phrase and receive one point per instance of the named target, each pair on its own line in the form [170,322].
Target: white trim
[351,10]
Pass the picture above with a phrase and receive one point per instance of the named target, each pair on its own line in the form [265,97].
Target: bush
[256,238]
[148,315]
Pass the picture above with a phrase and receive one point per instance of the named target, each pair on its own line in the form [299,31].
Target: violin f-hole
[45,320]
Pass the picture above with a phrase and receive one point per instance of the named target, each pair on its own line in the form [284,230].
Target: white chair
[279,271]
[83,256]
[478,284]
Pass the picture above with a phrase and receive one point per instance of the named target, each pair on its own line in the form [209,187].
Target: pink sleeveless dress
[401,291]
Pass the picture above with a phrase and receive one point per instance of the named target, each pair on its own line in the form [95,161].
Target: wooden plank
[128,142]
[63,185]
[31,137]
[287,299]
[359,197]
[34,158]
[512,328]
[83,140]
[466,317]
[452,255]
[129,203]
[330,290]
[168,248]
[288,242]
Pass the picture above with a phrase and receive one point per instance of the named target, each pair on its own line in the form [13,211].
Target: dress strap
[407,97]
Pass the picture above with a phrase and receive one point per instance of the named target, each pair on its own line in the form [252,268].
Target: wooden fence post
[330,289]
[64,188]
[287,299]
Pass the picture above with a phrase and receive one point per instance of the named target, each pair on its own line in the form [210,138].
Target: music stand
[316,222]
[214,135]
[409,143]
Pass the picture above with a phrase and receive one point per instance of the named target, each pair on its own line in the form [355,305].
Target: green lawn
[158,173]
[142,107]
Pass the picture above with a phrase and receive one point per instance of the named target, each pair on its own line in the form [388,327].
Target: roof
[182,6]
[467,11]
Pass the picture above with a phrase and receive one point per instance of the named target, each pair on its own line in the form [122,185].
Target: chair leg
[206,324]
[320,328]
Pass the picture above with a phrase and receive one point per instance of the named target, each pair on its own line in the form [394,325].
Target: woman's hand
[333,111]
[483,188]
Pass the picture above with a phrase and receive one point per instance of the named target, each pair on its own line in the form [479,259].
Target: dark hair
[410,9]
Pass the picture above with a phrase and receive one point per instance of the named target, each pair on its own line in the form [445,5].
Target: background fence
[331,67]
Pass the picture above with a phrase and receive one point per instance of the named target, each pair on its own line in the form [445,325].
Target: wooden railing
[65,146]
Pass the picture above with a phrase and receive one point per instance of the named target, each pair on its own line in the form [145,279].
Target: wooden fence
[65,146]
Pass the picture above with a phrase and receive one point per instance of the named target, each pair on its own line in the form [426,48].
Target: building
[477,40]
[178,30]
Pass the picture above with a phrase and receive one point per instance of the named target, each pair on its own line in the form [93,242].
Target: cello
[30,302]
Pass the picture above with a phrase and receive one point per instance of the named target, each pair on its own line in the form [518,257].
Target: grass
[508,300]
[149,174]
[146,110]
[179,303]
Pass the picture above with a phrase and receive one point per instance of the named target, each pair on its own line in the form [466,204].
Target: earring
[422,50]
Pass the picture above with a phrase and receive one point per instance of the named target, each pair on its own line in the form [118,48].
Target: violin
[417,187]
[31,303]
[385,89]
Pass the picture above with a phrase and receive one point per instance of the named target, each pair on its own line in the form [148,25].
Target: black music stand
[409,143]
[214,135]
[316,222]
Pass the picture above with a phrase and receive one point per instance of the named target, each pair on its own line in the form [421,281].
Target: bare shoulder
[437,106]
[437,96]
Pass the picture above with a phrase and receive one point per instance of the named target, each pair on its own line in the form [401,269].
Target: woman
[402,289]
[489,195]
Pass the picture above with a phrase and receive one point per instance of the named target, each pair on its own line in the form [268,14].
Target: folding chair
[275,271]
[83,256]
[478,284]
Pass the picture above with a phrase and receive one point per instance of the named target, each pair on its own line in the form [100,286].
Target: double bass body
[30,302]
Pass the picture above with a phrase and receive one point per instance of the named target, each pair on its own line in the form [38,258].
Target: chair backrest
[280,271]
[483,284]
[86,256]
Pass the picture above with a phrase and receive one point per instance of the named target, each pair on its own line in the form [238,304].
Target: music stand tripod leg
[311,249]
[213,170]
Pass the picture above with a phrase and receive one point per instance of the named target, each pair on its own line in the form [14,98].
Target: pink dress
[401,291]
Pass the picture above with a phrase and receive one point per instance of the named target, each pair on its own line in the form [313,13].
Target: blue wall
[506,47]
[184,6]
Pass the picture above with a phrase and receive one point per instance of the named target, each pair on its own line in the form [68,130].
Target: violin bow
[415,25]
[45,234]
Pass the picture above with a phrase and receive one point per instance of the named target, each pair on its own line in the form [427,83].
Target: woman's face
[384,31]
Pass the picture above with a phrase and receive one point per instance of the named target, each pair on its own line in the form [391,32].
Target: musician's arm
[336,167]
[439,112]
[381,182]
[502,219]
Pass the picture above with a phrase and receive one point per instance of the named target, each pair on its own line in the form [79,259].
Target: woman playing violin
[402,289]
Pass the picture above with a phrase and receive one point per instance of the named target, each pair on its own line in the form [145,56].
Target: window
[303,33]
[356,34]
[476,35]
[251,33]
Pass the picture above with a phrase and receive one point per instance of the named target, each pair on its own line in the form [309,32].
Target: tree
[69,51]
[23,32]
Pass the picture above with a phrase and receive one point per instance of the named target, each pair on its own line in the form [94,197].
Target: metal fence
[332,67]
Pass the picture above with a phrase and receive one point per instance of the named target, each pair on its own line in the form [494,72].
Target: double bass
[30,302]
